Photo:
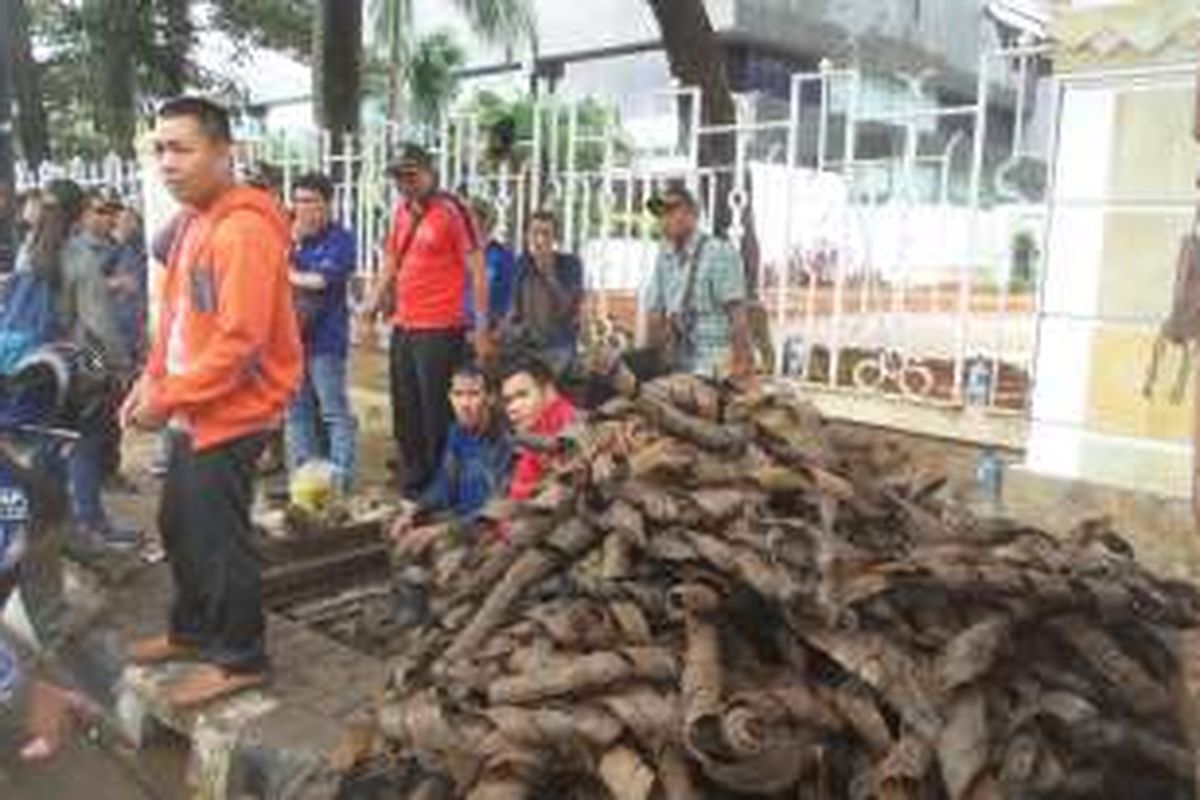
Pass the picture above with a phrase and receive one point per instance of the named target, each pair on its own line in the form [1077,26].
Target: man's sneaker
[107,537]
[118,483]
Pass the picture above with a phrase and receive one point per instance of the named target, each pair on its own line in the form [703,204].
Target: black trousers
[421,363]
[204,518]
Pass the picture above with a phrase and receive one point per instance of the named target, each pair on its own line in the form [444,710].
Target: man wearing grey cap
[696,296]
[423,290]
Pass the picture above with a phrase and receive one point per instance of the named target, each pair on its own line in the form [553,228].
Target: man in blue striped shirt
[696,296]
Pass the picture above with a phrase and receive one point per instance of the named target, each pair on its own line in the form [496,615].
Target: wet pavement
[83,770]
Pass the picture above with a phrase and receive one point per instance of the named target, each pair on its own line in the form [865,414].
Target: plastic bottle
[989,478]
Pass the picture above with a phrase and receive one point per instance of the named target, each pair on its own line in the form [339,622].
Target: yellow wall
[1124,195]
[1153,163]
[1123,33]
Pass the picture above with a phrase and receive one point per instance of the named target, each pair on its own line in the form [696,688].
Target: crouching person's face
[525,398]
[468,398]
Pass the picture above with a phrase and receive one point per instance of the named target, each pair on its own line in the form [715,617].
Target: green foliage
[501,119]
[421,72]
[105,63]
[433,76]
[500,21]
[283,25]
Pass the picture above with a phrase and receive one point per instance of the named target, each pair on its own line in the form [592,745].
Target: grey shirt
[85,303]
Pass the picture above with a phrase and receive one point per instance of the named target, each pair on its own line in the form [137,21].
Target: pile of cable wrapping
[718,594]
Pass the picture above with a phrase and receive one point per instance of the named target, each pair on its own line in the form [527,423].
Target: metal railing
[112,172]
[887,232]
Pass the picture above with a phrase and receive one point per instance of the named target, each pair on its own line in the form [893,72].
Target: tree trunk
[27,84]
[336,49]
[8,186]
[1196,393]
[697,58]
[117,113]
[178,45]
[394,19]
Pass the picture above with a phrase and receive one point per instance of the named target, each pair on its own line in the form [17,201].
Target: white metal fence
[898,242]
[112,172]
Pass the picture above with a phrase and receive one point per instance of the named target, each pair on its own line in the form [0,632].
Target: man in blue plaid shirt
[696,296]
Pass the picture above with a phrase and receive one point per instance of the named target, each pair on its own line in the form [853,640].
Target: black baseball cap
[412,157]
[670,198]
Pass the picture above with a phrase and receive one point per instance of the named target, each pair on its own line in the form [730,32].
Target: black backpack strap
[693,270]
[468,219]
[410,236]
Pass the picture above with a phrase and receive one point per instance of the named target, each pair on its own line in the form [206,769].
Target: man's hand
[487,350]
[129,405]
[420,540]
[405,519]
[376,299]
[136,411]
[306,280]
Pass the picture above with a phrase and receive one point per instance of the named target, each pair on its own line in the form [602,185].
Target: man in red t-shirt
[431,248]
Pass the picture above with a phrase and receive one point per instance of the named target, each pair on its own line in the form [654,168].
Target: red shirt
[432,277]
[530,466]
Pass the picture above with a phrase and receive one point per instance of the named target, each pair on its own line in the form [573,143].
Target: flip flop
[38,749]
[55,712]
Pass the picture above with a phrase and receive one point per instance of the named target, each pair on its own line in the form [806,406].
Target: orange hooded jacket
[227,355]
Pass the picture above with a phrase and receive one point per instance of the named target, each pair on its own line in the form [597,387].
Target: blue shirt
[332,253]
[499,261]
[475,468]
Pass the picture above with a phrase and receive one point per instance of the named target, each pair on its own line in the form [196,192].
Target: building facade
[1123,196]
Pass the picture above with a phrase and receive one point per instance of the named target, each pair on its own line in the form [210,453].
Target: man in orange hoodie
[224,363]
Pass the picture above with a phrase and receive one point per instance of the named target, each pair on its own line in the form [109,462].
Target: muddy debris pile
[719,595]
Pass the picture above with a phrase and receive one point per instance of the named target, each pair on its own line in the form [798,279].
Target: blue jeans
[86,471]
[322,400]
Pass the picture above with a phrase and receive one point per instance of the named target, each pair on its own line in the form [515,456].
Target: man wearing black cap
[697,292]
[423,288]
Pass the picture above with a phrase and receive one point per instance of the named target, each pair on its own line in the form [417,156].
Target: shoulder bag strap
[411,235]
[693,268]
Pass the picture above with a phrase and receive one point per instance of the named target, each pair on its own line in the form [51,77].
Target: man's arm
[384,283]
[728,281]
[477,265]
[92,308]
[568,288]
[337,265]
[741,351]
[385,280]
[501,275]
[313,281]
[515,311]
[439,495]
[656,308]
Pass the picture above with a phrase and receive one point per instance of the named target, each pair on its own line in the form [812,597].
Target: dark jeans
[204,518]
[96,456]
[421,363]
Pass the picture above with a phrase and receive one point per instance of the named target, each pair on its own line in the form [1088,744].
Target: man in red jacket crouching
[535,410]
